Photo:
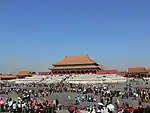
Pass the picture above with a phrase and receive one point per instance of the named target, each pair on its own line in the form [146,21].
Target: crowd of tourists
[101,95]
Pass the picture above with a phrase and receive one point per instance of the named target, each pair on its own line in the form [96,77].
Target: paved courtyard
[63,97]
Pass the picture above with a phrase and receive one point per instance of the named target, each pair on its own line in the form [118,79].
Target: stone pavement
[63,97]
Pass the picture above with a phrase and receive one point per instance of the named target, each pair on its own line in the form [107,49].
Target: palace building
[21,74]
[7,77]
[138,72]
[76,65]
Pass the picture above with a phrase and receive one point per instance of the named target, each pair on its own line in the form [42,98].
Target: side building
[138,72]
[76,65]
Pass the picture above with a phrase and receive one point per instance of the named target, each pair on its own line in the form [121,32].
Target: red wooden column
[86,71]
[94,71]
[78,72]
[82,72]
[91,71]
[68,72]
[73,72]
[63,72]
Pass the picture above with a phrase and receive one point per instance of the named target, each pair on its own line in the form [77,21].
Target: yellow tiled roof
[75,60]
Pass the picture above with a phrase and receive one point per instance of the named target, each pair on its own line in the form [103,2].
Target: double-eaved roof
[75,60]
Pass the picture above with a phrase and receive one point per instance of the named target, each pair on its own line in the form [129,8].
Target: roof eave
[74,64]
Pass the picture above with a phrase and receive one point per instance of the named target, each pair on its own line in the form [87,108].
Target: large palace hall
[76,65]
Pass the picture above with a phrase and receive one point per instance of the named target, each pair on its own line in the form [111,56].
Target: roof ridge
[74,56]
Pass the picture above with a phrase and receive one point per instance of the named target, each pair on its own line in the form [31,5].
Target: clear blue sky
[36,33]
